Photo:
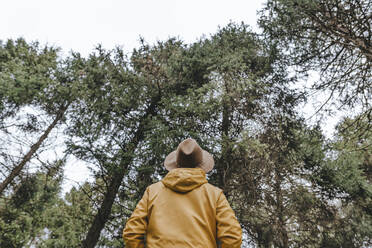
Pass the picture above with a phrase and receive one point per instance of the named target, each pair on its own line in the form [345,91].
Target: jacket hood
[184,179]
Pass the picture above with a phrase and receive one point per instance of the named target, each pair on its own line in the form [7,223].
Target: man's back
[183,210]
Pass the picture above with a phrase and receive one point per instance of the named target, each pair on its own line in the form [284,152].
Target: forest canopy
[121,113]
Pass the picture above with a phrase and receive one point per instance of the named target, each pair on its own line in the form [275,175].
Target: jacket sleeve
[229,232]
[136,226]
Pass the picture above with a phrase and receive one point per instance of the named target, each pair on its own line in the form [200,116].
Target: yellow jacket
[183,210]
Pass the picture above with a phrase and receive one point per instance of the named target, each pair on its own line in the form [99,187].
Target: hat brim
[207,163]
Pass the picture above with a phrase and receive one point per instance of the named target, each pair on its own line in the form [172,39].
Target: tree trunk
[223,163]
[18,168]
[105,209]
[281,225]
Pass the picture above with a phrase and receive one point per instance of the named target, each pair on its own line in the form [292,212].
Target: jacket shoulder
[154,188]
[213,189]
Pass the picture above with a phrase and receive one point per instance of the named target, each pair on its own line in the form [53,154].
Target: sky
[80,25]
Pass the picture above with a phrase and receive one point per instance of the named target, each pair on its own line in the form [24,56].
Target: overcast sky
[80,25]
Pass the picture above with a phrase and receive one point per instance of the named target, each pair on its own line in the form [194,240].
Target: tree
[112,118]
[330,37]
[31,77]
[68,219]
[345,177]
[22,215]
[242,95]
[333,38]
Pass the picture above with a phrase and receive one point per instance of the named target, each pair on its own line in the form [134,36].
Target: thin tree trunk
[18,168]
[105,209]
[224,160]
[283,234]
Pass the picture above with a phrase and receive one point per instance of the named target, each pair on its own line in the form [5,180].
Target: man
[184,210]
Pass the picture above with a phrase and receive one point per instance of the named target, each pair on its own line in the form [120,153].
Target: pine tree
[332,38]
[22,214]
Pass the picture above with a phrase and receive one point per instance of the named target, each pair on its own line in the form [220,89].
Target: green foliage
[27,76]
[22,216]
[36,89]
[69,218]
[288,185]
[330,37]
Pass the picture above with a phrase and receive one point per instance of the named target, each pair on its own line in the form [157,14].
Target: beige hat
[189,155]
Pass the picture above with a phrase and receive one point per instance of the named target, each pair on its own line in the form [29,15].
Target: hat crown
[189,154]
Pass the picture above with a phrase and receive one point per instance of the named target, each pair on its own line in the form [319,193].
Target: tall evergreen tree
[35,92]
[330,37]
[22,214]
[345,179]
[110,123]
